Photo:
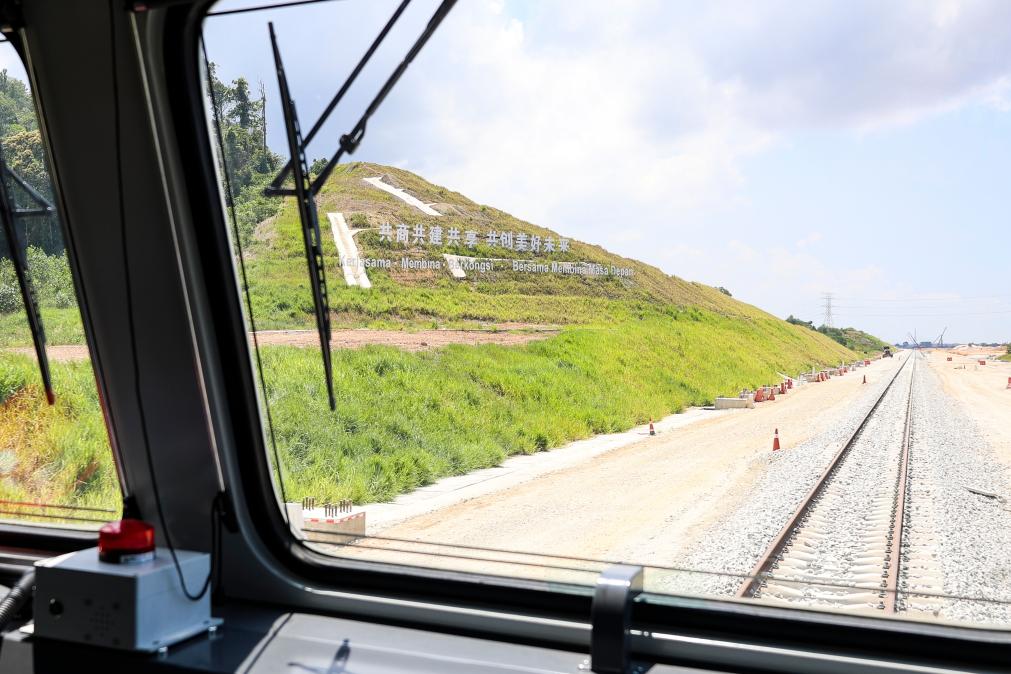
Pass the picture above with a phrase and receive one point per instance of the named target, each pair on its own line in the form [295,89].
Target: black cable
[19,595]
[230,201]
[131,319]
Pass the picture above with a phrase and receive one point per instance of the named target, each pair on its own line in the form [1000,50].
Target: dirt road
[639,503]
[507,335]
[408,341]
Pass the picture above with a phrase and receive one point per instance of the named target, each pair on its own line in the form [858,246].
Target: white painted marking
[401,194]
[354,273]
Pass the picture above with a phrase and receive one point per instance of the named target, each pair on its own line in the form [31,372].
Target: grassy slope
[628,351]
[466,407]
[861,342]
[281,295]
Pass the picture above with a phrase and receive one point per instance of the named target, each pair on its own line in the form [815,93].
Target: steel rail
[894,549]
[761,571]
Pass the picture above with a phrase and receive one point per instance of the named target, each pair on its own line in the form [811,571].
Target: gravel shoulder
[964,537]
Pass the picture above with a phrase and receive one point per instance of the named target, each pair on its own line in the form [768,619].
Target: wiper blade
[305,189]
[8,214]
[308,217]
[349,142]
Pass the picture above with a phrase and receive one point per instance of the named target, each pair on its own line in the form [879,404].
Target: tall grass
[405,419]
[54,454]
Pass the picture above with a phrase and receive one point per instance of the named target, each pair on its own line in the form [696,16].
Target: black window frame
[32,537]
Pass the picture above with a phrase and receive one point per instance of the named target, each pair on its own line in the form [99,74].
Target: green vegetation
[629,348]
[249,162]
[853,339]
[281,296]
[405,419]
[54,290]
[22,148]
[59,453]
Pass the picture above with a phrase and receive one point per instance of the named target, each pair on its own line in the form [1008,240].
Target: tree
[248,162]
[241,105]
[16,110]
[21,145]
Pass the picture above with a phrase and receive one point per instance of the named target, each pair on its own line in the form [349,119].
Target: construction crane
[939,342]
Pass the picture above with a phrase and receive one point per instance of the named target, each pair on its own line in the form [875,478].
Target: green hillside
[630,348]
[616,351]
[281,293]
[853,339]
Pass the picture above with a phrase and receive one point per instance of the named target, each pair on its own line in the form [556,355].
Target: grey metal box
[128,606]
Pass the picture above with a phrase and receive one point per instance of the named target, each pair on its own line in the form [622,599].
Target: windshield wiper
[309,218]
[8,215]
[305,189]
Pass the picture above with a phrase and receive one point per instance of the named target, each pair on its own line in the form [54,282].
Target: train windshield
[536,289]
[56,466]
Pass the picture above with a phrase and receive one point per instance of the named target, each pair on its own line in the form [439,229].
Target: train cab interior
[198,567]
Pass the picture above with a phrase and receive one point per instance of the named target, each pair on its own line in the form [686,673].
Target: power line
[923,299]
[950,313]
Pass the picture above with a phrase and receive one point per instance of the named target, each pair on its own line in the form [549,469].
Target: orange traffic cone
[652,431]
[775,441]
[789,383]
[782,388]
[772,393]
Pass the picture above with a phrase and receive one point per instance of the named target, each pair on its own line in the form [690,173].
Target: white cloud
[548,113]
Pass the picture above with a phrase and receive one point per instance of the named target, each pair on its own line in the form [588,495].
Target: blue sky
[782,150]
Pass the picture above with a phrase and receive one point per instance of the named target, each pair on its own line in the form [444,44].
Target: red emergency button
[126,542]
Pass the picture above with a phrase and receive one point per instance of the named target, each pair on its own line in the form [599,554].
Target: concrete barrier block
[335,530]
[734,403]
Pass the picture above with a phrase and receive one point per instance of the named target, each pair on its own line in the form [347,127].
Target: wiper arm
[8,213]
[349,142]
[41,203]
[309,219]
[283,174]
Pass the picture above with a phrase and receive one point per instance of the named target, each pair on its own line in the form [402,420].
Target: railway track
[841,549]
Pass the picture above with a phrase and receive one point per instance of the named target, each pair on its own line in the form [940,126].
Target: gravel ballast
[956,552]
[734,543]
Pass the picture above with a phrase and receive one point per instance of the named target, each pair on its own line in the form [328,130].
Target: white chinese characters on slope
[437,236]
